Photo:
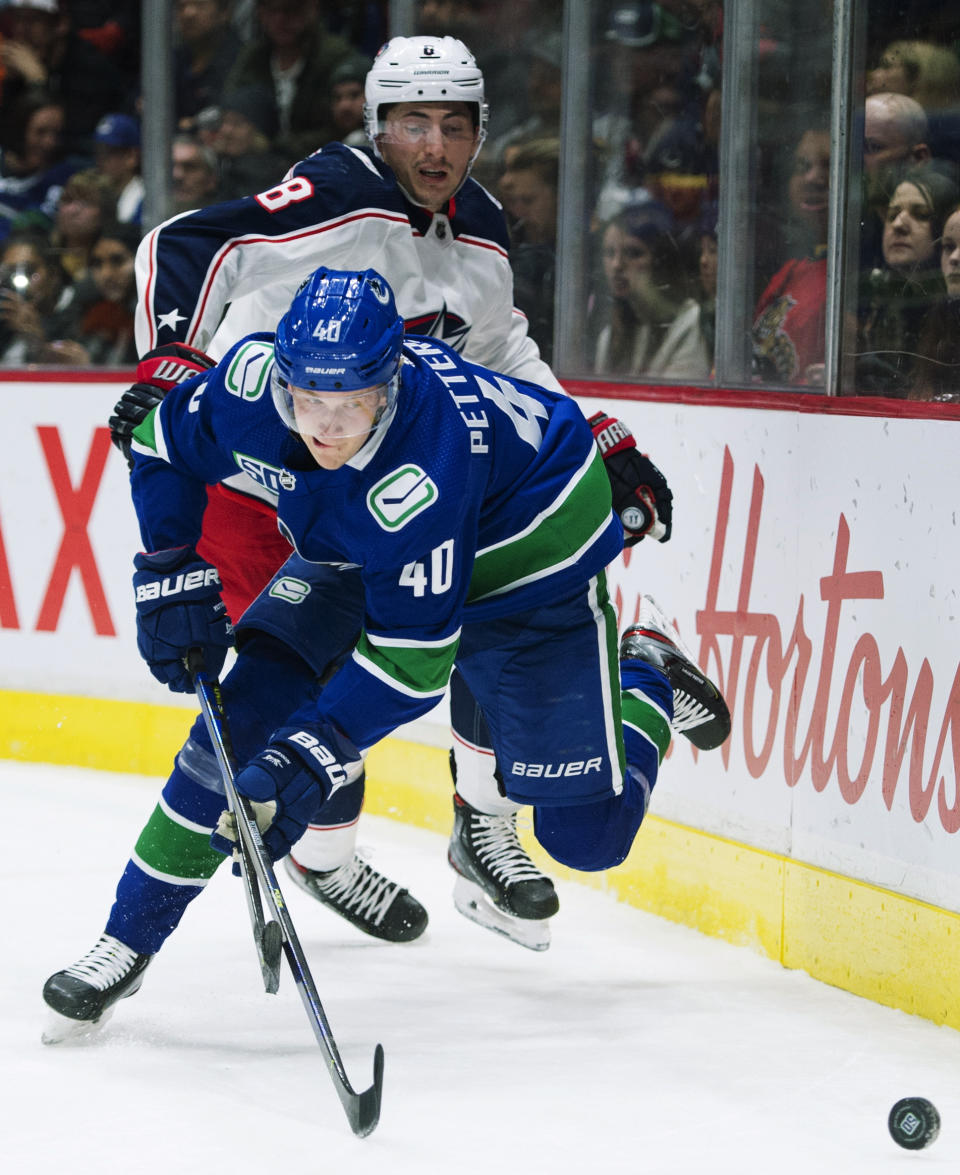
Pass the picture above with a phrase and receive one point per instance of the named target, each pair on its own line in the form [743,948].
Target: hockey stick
[267,935]
[362,1109]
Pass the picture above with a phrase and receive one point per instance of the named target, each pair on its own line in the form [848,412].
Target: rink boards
[812,569]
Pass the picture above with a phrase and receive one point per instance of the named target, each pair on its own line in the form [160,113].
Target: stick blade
[363,1109]
[271,948]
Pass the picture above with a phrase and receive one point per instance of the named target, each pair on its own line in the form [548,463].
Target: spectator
[528,190]
[207,47]
[543,90]
[117,148]
[895,138]
[105,335]
[924,71]
[86,54]
[707,275]
[501,48]
[789,324]
[293,57]
[651,59]
[346,100]
[902,294]
[32,168]
[195,174]
[242,143]
[39,308]
[937,370]
[653,325]
[86,204]
[32,36]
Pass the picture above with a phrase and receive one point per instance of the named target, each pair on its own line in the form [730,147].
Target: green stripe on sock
[179,853]
[638,712]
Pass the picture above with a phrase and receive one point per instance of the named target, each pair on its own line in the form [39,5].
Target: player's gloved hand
[157,372]
[178,608]
[641,496]
[300,768]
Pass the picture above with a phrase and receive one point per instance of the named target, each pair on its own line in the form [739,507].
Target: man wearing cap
[117,150]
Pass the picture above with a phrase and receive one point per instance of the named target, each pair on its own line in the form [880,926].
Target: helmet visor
[333,415]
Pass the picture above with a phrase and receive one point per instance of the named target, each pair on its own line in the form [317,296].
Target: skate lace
[358,886]
[495,841]
[688,712]
[104,964]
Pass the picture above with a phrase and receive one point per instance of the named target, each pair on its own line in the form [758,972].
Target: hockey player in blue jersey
[477,513]
[408,207]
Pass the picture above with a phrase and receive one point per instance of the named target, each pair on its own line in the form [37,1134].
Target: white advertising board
[813,569]
[68,533]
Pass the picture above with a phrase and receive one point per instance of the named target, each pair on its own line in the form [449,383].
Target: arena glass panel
[899,336]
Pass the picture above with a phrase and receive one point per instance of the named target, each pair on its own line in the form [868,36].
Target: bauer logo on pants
[400,496]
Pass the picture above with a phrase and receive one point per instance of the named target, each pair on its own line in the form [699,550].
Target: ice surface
[632,1045]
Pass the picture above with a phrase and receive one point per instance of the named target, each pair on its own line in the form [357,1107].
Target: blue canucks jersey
[478,497]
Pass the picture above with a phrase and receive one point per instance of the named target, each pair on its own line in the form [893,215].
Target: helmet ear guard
[342,334]
[423,69]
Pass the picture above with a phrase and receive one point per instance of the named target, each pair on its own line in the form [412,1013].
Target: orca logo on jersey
[400,496]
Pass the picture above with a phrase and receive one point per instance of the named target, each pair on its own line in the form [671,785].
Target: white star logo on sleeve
[170,319]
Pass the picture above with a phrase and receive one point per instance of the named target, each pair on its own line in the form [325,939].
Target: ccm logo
[174,585]
[556,770]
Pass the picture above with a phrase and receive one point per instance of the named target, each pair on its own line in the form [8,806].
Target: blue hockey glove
[179,608]
[641,497]
[300,768]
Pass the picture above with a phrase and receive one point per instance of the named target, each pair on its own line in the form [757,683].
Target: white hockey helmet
[423,69]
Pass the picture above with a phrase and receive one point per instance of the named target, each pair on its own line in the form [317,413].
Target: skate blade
[64,1030]
[473,903]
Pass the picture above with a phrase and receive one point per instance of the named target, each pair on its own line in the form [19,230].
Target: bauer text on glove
[300,768]
[179,608]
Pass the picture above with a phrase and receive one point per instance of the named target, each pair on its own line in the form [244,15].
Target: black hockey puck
[914,1123]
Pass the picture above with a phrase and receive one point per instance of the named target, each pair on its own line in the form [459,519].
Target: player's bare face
[429,145]
[334,425]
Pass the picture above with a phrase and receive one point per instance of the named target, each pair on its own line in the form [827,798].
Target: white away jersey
[341,207]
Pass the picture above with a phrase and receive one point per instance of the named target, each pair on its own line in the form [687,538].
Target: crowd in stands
[258,84]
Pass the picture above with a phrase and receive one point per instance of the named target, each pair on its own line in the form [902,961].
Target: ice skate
[699,710]
[498,886]
[82,996]
[372,902]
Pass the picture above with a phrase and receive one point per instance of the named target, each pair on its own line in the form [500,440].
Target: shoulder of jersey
[244,371]
[351,174]
[478,214]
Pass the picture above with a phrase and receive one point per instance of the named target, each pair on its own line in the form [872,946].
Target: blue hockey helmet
[342,334]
